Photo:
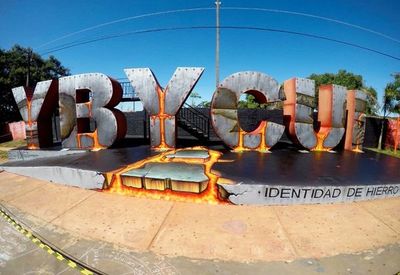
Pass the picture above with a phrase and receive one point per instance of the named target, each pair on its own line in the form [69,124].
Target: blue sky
[282,56]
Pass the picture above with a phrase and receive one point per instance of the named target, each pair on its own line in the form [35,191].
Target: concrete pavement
[259,236]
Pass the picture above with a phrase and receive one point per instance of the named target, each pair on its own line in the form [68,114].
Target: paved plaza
[127,235]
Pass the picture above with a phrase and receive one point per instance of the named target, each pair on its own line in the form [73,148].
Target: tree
[194,96]
[350,81]
[391,102]
[372,100]
[18,66]
[249,103]
[204,104]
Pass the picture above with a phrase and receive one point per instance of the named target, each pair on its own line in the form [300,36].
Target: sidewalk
[200,231]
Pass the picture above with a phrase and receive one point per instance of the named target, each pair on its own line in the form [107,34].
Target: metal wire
[324,18]
[112,36]
[121,20]
[223,8]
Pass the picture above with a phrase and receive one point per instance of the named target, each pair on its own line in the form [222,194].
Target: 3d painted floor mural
[199,174]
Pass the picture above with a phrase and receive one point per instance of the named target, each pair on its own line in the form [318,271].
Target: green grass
[13,143]
[386,152]
[3,155]
[5,146]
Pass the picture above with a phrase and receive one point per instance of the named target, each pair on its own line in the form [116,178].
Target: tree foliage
[194,96]
[391,100]
[204,104]
[372,100]
[350,81]
[249,103]
[14,67]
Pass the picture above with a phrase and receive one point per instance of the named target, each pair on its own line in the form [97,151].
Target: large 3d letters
[298,110]
[355,129]
[87,117]
[225,117]
[36,114]
[163,104]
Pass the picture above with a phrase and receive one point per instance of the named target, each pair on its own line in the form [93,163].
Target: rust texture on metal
[299,108]
[163,104]
[299,120]
[331,115]
[36,114]
[225,115]
[355,129]
[87,100]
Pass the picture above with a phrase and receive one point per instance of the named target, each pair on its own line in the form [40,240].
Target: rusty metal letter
[225,117]
[36,108]
[163,104]
[355,128]
[87,117]
[298,110]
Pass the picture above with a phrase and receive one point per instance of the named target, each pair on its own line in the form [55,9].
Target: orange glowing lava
[93,136]
[321,136]
[358,149]
[262,146]
[31,144]
[163,146]
[29,109]
[89,106]
[209,195]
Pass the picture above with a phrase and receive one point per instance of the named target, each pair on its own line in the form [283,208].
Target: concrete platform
[208,232]
[287,176]
[283,177]
[286,166]
[20,154]
[84,169]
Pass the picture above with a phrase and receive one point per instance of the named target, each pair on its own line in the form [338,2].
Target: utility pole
[29,67]
[217,3]
[382,123]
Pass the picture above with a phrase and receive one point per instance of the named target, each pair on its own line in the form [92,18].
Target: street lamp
[29,66]
[217,3]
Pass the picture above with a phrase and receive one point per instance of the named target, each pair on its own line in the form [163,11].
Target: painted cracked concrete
[262,194]
[226,239]
[63,175]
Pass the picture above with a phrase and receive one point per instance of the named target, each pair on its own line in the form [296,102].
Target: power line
[122,20]
[225,8]
[107,37]
[317,17]
[217,42]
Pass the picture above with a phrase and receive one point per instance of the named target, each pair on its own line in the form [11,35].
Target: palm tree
[391,102]
[194,96]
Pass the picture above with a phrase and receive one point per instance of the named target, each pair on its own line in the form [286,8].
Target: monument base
[85,169]
[24,153]
[286,176]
